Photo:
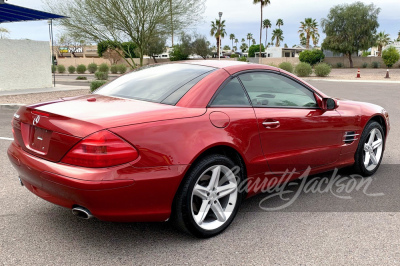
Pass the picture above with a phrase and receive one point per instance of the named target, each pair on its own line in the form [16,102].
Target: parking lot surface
[318,228]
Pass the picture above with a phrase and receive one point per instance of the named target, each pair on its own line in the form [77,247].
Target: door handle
[271,124]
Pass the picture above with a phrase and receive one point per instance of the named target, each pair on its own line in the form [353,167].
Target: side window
[275,90]
[231,95]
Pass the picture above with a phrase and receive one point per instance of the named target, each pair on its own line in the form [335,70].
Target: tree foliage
[311,57]
[277,36]
[390,56]
[262,3]
[126,20]
[382,39]
[201,47]
[309,30]
[182,50]
[350,28]
[255,48]
[218,32]
[243,47]
[156,46]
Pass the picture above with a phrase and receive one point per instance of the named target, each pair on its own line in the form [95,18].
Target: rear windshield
[161,84]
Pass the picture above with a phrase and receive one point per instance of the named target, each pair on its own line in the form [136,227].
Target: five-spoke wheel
[370,149]
[209,197]
[214,197]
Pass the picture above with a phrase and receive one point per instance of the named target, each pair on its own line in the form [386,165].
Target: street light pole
[219,36]
[50,22]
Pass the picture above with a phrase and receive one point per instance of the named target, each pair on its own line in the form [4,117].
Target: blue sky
[241,17]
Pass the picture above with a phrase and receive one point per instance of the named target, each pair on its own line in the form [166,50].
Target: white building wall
[24,64]
[274,52]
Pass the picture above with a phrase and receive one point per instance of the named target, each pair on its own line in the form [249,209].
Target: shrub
[322,70]
[234,55]
[114,69]
[61,69]
[303,70]
[53,69]
[104,68]
[390,56]
[71,69]
[286,66]
[242,59]
[180,52]
[375,64]
[94,85]
[101,75]
[365,65]
[81,78]
[122,68]
[339,65]
[81,69]
[92,68]
[311,57]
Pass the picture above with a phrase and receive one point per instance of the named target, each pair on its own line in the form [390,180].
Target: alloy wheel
[214,197]
[373,148]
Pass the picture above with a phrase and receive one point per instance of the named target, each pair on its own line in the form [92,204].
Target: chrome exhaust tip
[82,213]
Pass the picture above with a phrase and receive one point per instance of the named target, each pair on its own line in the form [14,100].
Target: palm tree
[309,29]
[279,23]
[253,42]
[217,30]
[382,39]
[262,4]
[277,35]
[232,37]
[236,46]
[315,41]
[398,37]
[243,47]
[266,26]
[249,37]
[243,40]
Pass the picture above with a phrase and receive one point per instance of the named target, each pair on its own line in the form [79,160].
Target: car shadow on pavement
[105,234]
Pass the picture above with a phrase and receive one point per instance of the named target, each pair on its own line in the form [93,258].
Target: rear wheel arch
[226,150]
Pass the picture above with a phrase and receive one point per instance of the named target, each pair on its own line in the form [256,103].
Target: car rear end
[67,153]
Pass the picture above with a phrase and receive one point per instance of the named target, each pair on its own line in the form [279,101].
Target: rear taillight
[101,149]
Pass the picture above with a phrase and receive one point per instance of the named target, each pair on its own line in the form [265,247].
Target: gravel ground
[40,97]
[366,74]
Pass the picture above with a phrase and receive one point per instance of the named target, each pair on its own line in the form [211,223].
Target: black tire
[182,210]
[359,166]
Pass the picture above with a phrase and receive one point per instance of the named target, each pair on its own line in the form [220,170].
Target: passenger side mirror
[328,104]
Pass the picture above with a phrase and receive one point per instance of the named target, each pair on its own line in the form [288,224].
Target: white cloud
[241,17]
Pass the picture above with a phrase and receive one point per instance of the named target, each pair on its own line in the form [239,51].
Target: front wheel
[370,149]
[209,198]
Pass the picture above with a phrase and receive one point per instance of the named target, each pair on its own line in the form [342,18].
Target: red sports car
[178,140]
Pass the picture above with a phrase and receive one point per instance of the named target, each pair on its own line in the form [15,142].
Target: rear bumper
[123,193]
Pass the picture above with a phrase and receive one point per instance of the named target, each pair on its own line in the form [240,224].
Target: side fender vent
[350,137]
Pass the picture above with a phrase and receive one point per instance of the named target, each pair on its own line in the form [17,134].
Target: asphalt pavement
[331,227]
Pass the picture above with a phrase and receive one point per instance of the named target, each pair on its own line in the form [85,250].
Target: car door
[230,111]
[295,132]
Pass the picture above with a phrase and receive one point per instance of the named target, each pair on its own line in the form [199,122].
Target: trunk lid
[49,130]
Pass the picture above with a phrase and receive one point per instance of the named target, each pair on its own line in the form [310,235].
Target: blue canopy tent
[13,13]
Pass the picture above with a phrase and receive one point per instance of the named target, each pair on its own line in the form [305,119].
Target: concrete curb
[44,90]
[11,106]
